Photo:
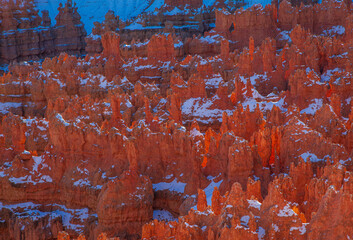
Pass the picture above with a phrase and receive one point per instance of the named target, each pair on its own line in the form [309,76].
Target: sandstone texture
[25,35]
[244,132]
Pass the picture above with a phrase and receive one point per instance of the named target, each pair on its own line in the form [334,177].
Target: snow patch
[312,157]
[286,212]
[62,120]
[210,188]
[313,107]
[254,204]
[284,35]
[261,233]
[275,227]
[95,10]
[328,74]
[173,186]
[214,81]
[201,109]
[175,11]
[301,229]
[163,215]
[194,133]
[73,219]
[6,106]
[244,220]
[335,30]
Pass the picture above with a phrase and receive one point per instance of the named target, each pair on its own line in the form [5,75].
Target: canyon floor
[224,120]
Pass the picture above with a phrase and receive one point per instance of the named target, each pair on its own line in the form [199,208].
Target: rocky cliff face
[184,19]
[219,136]
[25,35]
[193,3]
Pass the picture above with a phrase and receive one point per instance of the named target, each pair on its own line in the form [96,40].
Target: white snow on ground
[103,81]
[254,204]
[81,179]
[264,106]
[135,26]
[98,79]
[95,10]
[286,212]
[313,107]
[208,3]
[194,133]
[175,11]
[254,78]
[173,186]
[261,233]
[34,176]
[28,179]
[327,75]
[210,188]
[335,30]
[301,229]
[4,67]
[2,174]
[61,119]
[312,157]
[82,183]
[163,215]
[244,220]
[201,109]
[214,81]
[154,5]
[5,107]
[284,35]
[275,227]
[19,205]
[210,39]
[71,218]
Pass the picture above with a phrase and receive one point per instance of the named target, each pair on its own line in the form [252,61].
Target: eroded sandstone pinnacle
[150,130]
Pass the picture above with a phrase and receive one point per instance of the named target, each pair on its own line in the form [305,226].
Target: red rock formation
[175,112]
[63,236]
[305,87]
[240,161]
[340,216]
[27,36]
[161,48]
[253,190]
[217,201]
[111,44]
[250,122]
[69,30]
[192,4]
[301,175]
[268,54]
[258,140]
[242,25]
[297,132]
[281,220]
[124,205]
[201,201]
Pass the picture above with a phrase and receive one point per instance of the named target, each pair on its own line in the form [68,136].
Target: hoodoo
[176,120]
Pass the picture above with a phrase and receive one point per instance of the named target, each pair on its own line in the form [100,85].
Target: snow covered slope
[249,3]
[95,10]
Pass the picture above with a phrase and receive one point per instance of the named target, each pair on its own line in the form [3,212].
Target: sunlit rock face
[243,132]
